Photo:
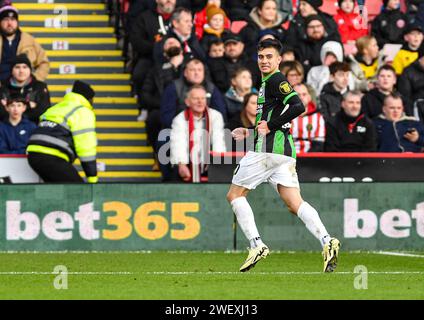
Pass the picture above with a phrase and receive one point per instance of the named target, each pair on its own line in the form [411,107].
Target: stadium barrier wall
[377,216]
[335,167]
[15,169]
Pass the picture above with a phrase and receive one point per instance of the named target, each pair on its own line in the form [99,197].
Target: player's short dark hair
[339,66]
[270,43]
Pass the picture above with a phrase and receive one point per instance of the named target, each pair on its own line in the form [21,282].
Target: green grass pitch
[201,276]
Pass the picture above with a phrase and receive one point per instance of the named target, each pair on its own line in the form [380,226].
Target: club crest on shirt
[285,87]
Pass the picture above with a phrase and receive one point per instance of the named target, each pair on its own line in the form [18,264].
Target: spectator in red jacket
[350,23]
[200,18]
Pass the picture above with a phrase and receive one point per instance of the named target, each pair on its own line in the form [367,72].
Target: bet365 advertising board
[374,216]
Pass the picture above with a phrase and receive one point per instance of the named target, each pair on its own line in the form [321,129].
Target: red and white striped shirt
[306,129]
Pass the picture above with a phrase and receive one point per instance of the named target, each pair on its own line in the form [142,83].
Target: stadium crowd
[193,65]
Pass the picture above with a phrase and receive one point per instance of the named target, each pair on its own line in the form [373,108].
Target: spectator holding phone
[396,131]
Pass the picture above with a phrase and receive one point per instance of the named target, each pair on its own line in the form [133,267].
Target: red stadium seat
[329,6]
[374,8]
[236,26]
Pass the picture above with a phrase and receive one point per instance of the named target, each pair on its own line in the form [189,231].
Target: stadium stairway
[81,45]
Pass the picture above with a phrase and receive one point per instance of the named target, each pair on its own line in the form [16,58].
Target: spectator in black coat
[297,29]
[181,28]
[389,26]
[24,84]
[172,101]
[147,29]
[239,9]
[221,69]
[308,51]
[349,130]
[265,16]
[156,81]
[411,82]
[332,93]
[372,101]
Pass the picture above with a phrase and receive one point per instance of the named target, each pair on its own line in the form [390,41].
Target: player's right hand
[240,133]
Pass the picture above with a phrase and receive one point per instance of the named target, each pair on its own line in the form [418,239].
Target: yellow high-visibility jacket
[404,58]
[68,130]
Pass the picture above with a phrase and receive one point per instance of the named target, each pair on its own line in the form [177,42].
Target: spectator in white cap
[14,42]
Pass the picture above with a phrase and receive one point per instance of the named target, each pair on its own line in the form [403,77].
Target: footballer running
[274,160]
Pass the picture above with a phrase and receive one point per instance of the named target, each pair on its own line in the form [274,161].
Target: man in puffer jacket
[396,131]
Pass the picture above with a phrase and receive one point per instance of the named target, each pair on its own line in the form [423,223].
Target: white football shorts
[256,168]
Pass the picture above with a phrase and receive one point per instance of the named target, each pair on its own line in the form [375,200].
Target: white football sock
[313,223]
[246,220]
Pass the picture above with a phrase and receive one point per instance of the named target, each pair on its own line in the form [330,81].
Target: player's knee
[231,196]
[293,206]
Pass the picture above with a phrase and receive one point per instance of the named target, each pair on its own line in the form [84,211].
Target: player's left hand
[262,128]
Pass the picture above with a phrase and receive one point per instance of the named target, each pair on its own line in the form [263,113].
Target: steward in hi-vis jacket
[66,131]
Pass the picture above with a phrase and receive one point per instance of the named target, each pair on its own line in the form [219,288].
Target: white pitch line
[176,273]
[398,254]
[88,273]
[188,273]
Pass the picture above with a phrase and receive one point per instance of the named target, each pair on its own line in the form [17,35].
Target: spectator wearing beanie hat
[389,26]
[14,42]
[215,26]
[22,82]
[66,131]
[350,24]
[200,18]
[297,29]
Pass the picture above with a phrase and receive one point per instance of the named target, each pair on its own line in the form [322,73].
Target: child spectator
[215,27]
[216,48]
[200,18]
[390,24]
[332,94]
[366,62]
[241,85]
[16,130]
[350,24]
[409,52]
